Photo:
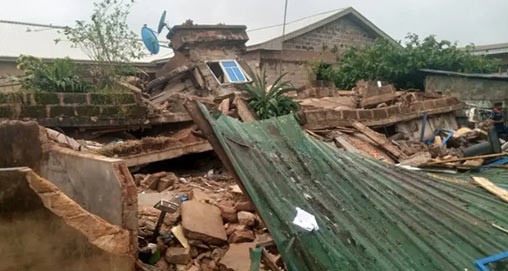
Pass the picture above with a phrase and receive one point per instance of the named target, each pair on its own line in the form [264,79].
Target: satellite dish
[149,36]
[162,22]
[150,40]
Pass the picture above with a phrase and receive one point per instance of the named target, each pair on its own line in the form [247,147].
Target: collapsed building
[369,215]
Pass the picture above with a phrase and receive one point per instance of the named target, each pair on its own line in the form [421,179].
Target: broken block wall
[42,229]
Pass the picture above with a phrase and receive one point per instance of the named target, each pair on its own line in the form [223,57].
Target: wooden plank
[224,106]
[492,188]
[268,261]
[318,137]
[243,110]
[383,142]
[467,158]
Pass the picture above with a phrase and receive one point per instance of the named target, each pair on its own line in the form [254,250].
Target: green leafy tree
[107,40]
[400,64]
[270,101]
[61,75]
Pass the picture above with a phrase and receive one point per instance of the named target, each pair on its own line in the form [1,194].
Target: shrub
[270,101]
[400,65]
[61,75]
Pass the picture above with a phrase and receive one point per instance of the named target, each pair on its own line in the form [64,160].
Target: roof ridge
[298,20]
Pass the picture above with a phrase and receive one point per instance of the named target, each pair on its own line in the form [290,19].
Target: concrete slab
[202,221]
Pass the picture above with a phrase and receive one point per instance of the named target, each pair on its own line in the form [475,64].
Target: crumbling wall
[329,118]
[413,128]
[43,229]
[475,91]
[101,185]
[21,144]
[73,109]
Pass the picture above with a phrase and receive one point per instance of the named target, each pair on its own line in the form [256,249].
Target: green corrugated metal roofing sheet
[372,216]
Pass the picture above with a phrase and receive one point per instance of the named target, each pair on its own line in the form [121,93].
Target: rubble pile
[213,224]
[409,128]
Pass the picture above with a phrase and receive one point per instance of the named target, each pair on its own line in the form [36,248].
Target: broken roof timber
[166,154]
[371,215]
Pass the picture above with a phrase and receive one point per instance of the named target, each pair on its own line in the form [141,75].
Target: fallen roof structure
[371,215]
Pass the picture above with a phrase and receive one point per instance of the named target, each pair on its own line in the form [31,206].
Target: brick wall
[72,109]
[342,33]
[476,91]
[299,51]
[329,118]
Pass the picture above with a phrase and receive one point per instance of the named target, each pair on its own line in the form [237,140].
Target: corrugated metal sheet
[372,216]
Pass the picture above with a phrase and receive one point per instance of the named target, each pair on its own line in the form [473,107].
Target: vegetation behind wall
[397,64]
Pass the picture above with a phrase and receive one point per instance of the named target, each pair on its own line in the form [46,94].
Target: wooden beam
[497,191]
[224,106]
[243,110]
[166,154]
[381,140]
[467,158]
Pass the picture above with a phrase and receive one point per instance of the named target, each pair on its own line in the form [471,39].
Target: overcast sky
[466,21]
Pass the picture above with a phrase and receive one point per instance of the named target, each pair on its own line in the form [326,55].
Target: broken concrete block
[228,213]
[244,205]
[241,236]
[164,183]
[37,213]
[236,189]
[202,221]
[149,182]
[246,218]
[178,255]
[374,95]
[237,257]
[198,195]
[230,228]
[138,178]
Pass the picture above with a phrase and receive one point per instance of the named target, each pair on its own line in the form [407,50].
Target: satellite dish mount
[149,36]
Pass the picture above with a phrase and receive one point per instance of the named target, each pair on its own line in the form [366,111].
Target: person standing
[498,119]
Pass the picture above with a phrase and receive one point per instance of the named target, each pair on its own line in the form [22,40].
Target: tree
[400,65]
[107,40]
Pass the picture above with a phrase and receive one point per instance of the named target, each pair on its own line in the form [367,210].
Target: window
[228,71]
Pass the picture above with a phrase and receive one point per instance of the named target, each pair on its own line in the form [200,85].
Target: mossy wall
[73,109]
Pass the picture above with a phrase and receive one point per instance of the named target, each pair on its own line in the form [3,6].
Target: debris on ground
[370,215]
[430,138]
[213,228]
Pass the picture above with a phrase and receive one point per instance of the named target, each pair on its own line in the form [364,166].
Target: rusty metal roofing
[371,215]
